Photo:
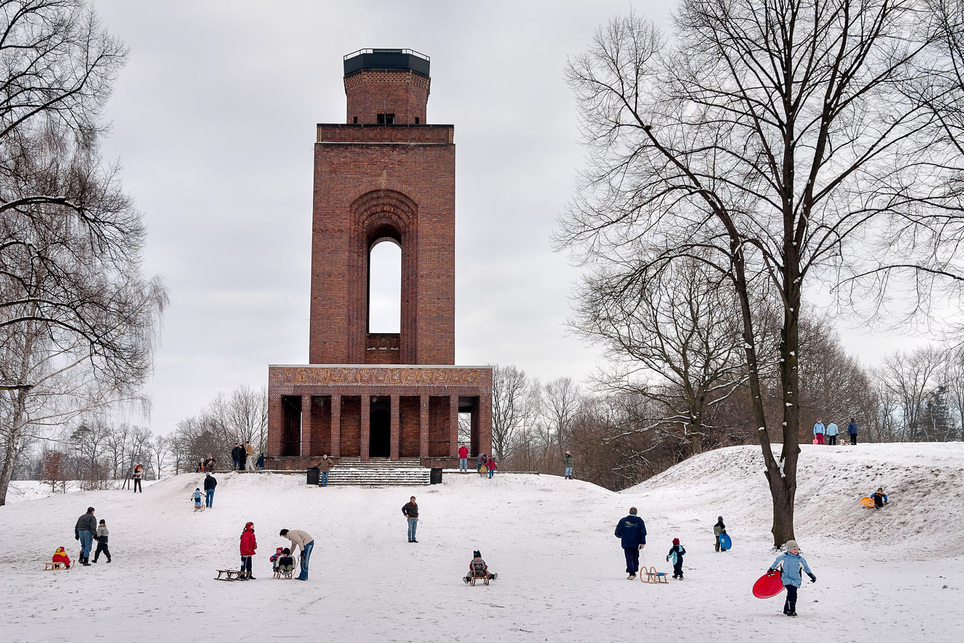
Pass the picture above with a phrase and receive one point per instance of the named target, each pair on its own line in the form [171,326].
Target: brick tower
[384,175]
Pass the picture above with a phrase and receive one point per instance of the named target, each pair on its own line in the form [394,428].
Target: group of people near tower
[827,434]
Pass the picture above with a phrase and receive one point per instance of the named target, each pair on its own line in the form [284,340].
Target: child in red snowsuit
[60,556]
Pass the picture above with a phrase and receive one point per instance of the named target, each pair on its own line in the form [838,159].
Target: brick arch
[377,214]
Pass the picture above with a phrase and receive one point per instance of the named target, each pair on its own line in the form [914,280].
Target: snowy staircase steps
[379,473]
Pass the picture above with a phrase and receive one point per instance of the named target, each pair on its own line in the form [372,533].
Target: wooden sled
[485,577]
[230,574]
[50,566]
[650,575]
[284,573]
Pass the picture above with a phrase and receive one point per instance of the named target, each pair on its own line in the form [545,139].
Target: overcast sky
[214,123]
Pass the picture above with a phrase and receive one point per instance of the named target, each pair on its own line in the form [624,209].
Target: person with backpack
[631,531]
[790,563]
[478,569]
[718,530]
[675,555]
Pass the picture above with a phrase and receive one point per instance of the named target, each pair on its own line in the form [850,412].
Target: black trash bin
[436,475]
[313,475]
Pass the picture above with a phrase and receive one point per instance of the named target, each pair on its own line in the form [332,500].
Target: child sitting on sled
[60,556]
[286,563]
[197,499]
[278,553]
[880,498]
[478,569]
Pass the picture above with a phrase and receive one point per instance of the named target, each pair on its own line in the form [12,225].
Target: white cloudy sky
[213,123]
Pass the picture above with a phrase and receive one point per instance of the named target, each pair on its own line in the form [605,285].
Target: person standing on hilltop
[568,461]
[236,454]
[818,430]
[852,431]
[463,459]
[631,531]
[248,458]
[138,475]
[832,433]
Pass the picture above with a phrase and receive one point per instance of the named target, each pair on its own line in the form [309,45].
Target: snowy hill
[551,540]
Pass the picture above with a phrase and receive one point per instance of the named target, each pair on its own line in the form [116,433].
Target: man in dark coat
[84,532]
[210,482]
[236,454]
[632,531]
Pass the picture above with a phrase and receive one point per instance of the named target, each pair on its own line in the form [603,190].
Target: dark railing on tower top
[402,59]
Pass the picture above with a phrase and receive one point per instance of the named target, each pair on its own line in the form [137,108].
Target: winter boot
[631,576]
[85,562]
[108,559]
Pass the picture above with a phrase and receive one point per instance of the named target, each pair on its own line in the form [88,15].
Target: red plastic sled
[769,585]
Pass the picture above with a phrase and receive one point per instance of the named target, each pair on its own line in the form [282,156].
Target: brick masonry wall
[410,430]
[373,92]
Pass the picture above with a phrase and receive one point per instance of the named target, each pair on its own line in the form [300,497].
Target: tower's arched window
[384,286]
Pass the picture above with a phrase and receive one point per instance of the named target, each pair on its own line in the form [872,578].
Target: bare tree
[160,449]
[510,388]
[778,144]
[560,405]
[72,298]
[912,378]
[675,340]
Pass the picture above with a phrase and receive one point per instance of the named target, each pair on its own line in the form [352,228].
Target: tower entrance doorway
[380,430]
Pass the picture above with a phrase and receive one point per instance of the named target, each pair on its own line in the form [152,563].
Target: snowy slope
[560,568]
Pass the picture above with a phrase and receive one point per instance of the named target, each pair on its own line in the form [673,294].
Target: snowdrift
[561,571]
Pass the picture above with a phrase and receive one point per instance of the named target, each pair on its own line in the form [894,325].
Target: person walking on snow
[818,430]
[249,544]
[463,459]
[790,563]
[301,539]
[102,535]
[832,433]
[676,553]
[632,532]
[84,532]
[209,484]
[492,466]
[852,431]
[718,530]
[568,460]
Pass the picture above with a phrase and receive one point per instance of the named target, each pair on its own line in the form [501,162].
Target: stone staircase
[379,472]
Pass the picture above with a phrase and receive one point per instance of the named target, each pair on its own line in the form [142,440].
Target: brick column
[485,422]
[306,428]
[396,433]
[275,424]
[423,427]
[335,426]
[454,426]
[366,426]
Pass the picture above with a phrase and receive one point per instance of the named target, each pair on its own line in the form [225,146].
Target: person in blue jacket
[852,431]
[632,532]
[880,498]
[790,563]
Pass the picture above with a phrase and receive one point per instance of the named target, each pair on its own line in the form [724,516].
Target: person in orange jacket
[248,546]
[60,556]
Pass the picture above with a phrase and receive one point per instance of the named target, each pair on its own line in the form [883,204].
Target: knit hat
[792,544]
[676,541]
[477,553]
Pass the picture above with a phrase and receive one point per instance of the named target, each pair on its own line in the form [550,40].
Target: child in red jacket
[248,546]
[60,556]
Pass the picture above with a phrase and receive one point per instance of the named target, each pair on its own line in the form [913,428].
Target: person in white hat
[790,563]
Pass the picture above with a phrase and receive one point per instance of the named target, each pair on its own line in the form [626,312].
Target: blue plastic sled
[725,542]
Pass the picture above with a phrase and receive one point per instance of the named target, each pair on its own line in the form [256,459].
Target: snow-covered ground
[889,575]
